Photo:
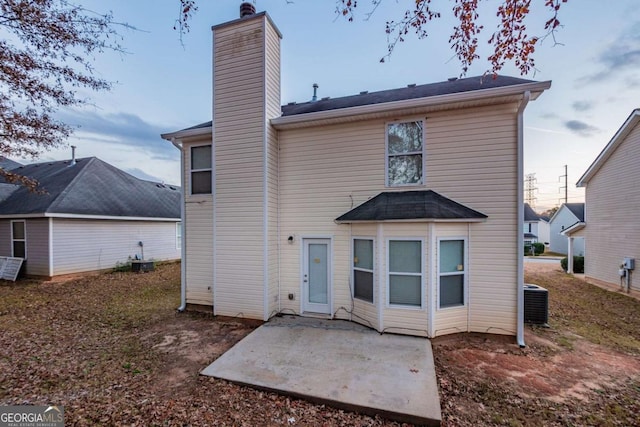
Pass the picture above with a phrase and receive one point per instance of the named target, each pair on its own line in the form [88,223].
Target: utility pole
[529,189]
[566,187]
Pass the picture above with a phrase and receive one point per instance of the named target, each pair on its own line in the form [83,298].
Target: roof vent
[411,85]
[315,92]
[247,9]
[364,92]
[452,79]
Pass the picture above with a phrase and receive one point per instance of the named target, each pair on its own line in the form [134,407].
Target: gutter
[183,250]
[520,191]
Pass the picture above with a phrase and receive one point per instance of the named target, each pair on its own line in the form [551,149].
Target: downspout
[183,265]
[520,191]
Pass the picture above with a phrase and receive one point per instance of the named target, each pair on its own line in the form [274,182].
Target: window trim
[191,170]
[423,152]
[464,273]
[422,274]
[13,239]
[179,235]
[354,269]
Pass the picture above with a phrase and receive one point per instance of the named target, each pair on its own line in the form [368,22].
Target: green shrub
[122,267]
[578,264]
[538,248]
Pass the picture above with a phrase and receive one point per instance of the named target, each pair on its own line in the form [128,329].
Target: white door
[316,276]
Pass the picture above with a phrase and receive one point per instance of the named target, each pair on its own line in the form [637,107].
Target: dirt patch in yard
[112,349]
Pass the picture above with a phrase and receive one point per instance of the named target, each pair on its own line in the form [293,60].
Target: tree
[46,47]
[511,40]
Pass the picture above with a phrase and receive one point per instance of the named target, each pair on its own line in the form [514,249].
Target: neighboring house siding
[198,238]
[612,230]
[37,247]
[239,134]
[470,158]
[37,244]
[543,232]
[564,219]
[86,245]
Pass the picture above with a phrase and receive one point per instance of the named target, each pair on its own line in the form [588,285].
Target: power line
[566,187]
[530,189]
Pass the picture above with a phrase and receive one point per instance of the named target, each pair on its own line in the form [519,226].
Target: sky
[163,83]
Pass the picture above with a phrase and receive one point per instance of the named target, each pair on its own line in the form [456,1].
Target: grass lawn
[113,351]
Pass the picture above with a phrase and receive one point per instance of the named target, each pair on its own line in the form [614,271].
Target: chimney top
[247,9]
[73,155]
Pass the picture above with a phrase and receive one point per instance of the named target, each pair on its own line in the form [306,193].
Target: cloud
[582,105]
[120,128]
[581,128]
[139,173]
[620,55]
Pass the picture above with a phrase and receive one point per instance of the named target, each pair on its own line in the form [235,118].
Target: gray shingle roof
[530,214]
[577,209]
[91,187]
[8,164]
[409,92]
[410,205]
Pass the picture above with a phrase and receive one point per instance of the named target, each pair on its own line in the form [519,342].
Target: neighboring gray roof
[577,209]
[8,164]
[530,214]
[410,92]
[530,236]
[410,205]
[91,187]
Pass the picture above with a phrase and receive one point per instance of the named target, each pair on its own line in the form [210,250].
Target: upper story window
[201,169]
[405,153]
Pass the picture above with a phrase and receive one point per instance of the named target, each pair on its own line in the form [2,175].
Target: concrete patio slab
[339,363]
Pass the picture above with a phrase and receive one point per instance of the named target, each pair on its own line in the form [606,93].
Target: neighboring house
[536,227]
[91,217]
[612,230]
[400,209]
[568,215]
[8,164]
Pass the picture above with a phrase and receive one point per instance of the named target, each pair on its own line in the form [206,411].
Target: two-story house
[400,209]
[536,227]
[611,228]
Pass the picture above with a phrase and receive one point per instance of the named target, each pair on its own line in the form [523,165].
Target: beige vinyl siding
[199,252]
[198,238]
[470,158]
[319,181]
[611,215]
[272,90]
[37,247]
[239,134]
[86,245]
